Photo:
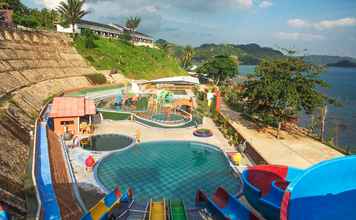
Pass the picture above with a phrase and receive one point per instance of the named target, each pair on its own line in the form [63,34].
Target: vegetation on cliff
[133,62]
[219,69]
[32,18]
[279,91]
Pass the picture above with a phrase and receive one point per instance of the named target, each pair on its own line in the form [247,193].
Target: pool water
[109,142]
[179,92]
[167,169]
[161,117]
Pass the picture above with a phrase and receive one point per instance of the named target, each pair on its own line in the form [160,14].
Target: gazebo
[71,114]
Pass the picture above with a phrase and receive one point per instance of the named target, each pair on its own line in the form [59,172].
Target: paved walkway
[292,150]
[153,134]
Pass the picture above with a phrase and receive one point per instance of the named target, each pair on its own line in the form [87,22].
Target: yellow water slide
[157,210]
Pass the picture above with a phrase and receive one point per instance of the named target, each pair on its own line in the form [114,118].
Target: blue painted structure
[225,206]
[262,187]
[48,198]
[325,191]
[3,214]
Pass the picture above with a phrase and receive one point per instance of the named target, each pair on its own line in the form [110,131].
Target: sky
[320,26]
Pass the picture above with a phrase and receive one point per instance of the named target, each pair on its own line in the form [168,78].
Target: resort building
[109,31]
[71,114]
[169,83]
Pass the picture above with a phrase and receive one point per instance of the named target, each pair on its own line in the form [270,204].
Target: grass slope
[133,62]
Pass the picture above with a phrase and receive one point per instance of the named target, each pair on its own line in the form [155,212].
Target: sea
[340,120]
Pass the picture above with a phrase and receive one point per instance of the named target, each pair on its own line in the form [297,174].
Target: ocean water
[340,121]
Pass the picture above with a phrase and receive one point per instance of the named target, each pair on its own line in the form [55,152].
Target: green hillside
[133,62]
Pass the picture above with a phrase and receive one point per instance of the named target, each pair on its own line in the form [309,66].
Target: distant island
[343,63]
[327,59]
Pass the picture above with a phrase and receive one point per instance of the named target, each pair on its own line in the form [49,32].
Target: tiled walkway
[153,134]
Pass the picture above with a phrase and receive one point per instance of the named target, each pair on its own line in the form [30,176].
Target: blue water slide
[325,191]
[47,195]
[226,206]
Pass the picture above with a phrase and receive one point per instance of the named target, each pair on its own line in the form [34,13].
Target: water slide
[49,203]
[157,210]
[177,210]
[224,206]
[103,208]
[264,186]
[3,214]
[324,191]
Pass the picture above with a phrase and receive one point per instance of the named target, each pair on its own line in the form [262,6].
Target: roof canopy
[177,80]
[72,107]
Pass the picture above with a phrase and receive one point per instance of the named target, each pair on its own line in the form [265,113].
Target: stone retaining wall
[34,66]
[27,58]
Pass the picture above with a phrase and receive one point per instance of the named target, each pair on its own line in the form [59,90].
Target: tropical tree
[132,23]
[126,37]
[220,68]
[89,38]
[166,47]
[280,89]
[71,12]
[4,5]
[187,57]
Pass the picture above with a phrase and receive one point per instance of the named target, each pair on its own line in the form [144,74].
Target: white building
[110,31]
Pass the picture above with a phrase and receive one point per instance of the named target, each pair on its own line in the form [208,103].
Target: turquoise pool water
[161,117]
[108,142]
[169,169]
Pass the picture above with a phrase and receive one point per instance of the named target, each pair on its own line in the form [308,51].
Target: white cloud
[321,25]
[52,4]
[295,36]
[244,3]
[298,23]
[327,24]
[265,4]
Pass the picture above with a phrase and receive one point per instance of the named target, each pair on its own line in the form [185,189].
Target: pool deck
[155,134]
[86,180]
[292,149]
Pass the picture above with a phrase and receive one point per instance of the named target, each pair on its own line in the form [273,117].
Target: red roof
[72,107]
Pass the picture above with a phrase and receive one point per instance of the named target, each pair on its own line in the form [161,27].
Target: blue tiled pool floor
[169,169]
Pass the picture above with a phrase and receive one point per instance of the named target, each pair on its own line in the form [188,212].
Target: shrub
[97,78]
[89,38]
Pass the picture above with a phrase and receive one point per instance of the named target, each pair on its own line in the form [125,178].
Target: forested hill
[247,54]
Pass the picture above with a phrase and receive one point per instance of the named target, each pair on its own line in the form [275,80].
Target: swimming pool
[167,169]
[170,118]
[107,142]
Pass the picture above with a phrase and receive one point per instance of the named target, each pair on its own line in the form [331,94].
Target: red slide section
[262,176]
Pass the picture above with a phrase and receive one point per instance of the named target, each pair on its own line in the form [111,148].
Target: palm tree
[187,56]
[166,47]
[72,11]
[4,5]
[132,23]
